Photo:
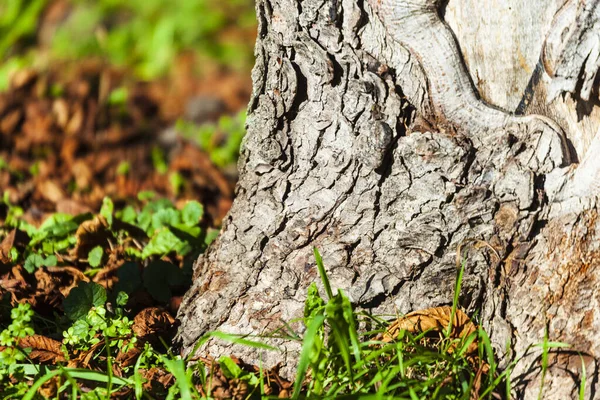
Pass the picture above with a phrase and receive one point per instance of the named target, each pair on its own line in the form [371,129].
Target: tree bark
[378,132]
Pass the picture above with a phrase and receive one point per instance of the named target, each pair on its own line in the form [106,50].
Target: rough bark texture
[367,138]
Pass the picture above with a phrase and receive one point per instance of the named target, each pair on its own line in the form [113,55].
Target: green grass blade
[583,380]
[38,384]
[137,377]
[96,376]
[305,355]
[322,273]
[488,352]
[349,316]
[177,368]
[457,287]
[240,339]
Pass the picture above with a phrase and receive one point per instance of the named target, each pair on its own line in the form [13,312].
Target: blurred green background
[145,36]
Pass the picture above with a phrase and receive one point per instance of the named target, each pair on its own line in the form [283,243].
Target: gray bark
[378,137]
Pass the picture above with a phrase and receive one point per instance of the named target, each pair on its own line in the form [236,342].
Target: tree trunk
[373,136]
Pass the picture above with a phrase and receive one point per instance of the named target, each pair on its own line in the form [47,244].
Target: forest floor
[77,147]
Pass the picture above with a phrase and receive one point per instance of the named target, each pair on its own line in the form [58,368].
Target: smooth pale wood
[501,41]
[503,44]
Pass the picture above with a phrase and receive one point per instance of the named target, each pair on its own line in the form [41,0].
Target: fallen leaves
[62,141]
[435,319]
[42,349]
[15,239]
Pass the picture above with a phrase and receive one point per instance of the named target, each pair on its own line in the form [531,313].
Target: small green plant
[123,168]
[85,305]
[168,230]
[20,327]
[221,141]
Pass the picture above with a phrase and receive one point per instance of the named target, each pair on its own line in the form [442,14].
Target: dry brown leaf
[77,276]
[51,191]
[76,121]
[5,247]
[70,206]
[49,389]
[151,322]
[436,319]
[156,380]
[60,110]
[43,349]
[84,358]
[90,234]
[130,357]
[9,121]
[17,272]
[82,173]
[22,78]
[54,283]
[15,238]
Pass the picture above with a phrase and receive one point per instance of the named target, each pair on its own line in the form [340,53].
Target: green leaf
[82,298]
[50,261]
[183,380]
[237,339]
[165,217]
[164,242]
[322,272]
[192,213]
[57,226]
[230,369]
[122,299]
[144,219]
[33,262]
[187,233]
[128,215]
[177,182]
[56,223]
[133,252]
[313,304]
[81,329]
[96,376]
[310,336]
[107,210]
[95,256]
[158,160]
[211,235]
[53,245]
[14,254]
[146,195]
[157,205]
[118,96]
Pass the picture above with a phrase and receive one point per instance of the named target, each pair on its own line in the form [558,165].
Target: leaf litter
[73,159]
